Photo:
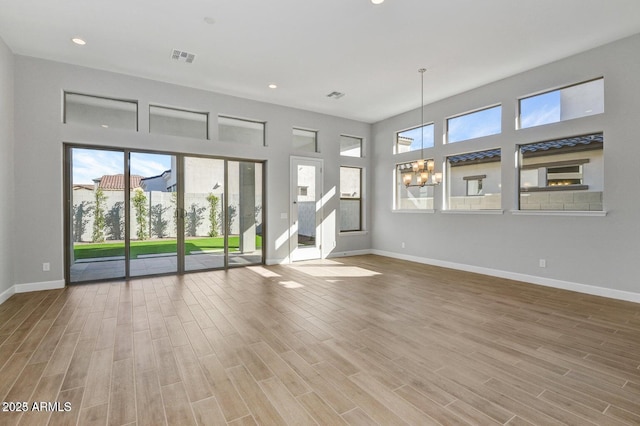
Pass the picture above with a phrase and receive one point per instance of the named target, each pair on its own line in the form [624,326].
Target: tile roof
[534,147]
[116,182]
[561,143]
[492,153]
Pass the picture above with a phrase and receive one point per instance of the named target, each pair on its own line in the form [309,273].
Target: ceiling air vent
[181,56]
[335,95]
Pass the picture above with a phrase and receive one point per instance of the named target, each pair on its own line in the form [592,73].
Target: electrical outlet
[46,266]
[403,244]
[543,263]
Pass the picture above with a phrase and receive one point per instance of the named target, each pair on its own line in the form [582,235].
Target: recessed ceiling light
[78,41]
[273,86]
[106,126]
[377,1]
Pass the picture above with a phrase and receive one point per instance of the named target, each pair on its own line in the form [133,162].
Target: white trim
[599,213]
[352,233]
[7,294]
[479,211]
[279,261]
[349,253]
[414,211]
[46,285]
[531,279]
[25,288]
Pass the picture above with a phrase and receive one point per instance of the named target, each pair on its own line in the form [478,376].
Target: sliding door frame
[180,231]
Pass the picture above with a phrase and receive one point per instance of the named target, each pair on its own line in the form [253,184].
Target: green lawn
[96,250]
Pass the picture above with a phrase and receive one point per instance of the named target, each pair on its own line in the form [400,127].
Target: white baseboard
[287,260]
[46,285]
[531,279]
[7,294]
[24,288]
[349,253]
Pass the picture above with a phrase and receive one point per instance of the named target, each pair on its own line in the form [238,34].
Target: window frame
[361,155]
[398,184]
[528,191]
[107,98]
[397,137]
[493,180]
[359,198]
[315,139]
[469,113]
[245,120]
[170,108]
[551,90]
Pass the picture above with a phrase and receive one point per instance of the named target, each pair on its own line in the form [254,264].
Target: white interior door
[306,209]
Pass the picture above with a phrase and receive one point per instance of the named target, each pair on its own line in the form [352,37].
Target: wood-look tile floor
[360,340]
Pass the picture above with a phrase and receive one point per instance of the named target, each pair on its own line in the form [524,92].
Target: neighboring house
[116,182]
[157,183]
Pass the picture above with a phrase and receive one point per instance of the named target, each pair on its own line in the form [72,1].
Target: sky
[89,164]
[534,111]
[416,135]
[539,110]
[480,123]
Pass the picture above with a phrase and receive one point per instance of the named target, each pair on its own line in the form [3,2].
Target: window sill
[415,211]
[554,188]
[487,211]
[352,233]
[558,213]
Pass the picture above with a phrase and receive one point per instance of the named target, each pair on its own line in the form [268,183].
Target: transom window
[414,139]
[305,140]
[579,100]
[238,130]
[100,112]
[178,122]
[350,146]
[485,122]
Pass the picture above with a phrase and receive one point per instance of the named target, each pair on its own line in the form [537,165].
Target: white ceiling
[310,48]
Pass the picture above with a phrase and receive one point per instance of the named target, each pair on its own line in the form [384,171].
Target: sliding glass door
[182,213]
[244,212]
[95,212]
[204,230]
[153,243]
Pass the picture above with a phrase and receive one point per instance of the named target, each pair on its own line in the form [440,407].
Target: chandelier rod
[421,71]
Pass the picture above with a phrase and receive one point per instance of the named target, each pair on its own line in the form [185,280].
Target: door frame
[295,252]
[68,204]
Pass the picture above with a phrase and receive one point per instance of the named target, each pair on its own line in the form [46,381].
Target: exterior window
[476,124]
[236,130]
[474,180]
[305,140]
[411,139]
[100,112]
[411,197]
[350,146]
[562,174]
[177,122]
[350,199]
[576,101]
[474,185]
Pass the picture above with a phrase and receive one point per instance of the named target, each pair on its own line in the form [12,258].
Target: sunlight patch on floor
[261,270]
[290,284]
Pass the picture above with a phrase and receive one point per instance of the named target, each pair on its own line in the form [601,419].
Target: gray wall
[6,167]
[589,250]
[40,134]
